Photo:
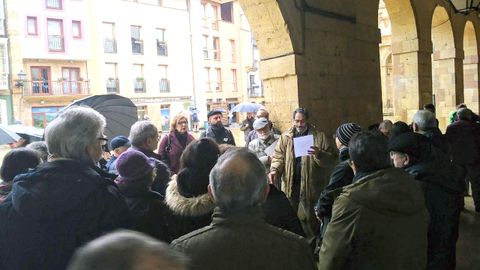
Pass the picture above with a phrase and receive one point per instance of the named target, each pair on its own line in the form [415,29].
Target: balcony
[137,46]
[164,86]
[112,85]
[139,86]
[162,48]
[55,43]
[55,4]
[109,45]
[4,81]
[56,88]
[255,91]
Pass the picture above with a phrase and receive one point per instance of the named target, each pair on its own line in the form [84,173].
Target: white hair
[72,131]
[141,131]
[425,120]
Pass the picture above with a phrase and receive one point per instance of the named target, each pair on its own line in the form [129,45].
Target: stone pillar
[447,83]
[411,77]
[470,82]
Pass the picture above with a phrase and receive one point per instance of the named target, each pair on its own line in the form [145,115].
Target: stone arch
[470,67]
[406,54]
[443,65]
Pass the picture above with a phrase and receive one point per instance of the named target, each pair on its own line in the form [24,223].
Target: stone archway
[443,65]
[406,56]
[470,67]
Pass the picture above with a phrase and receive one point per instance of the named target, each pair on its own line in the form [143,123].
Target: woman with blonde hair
[173,144]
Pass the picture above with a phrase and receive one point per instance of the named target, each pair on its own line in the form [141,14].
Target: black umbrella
[120,112]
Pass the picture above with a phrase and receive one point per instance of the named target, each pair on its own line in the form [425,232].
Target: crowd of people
[386,197]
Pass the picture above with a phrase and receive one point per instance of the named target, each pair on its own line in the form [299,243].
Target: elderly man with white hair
[238,237]
[64,202]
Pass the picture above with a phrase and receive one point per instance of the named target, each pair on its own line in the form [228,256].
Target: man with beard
[265,138]
[302,178]
[216,130]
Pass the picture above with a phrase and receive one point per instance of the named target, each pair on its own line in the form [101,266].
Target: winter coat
[244,241]
[279,212]
[111,165]
[189,214]
[4,190]
[221,136]
[56,208]
[258,147]
[172,156]
[464,138]
[246,127]
[314,171]
[252,135]
[379,222]
[162,171]
[148,212]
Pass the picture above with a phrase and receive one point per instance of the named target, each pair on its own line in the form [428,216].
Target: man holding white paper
[300,162]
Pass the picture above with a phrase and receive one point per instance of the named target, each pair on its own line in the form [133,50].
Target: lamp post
[465,6]
[21,78]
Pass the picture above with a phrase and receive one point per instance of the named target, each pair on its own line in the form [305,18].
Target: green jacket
[244,242]
[378,222]
[315,172]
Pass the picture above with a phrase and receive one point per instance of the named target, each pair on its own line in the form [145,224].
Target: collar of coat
[180,205]
[248,216]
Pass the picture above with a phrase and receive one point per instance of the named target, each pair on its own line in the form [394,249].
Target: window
[55,35]
[218,80]
[204,15]
[164,83]
[40,80]
[76,29]
[234,80]
[109,41]
[43,115]
[227,12]
[137,42]
[71,80]
[216,48]
[138,82]
[207,81]
[32,27]
[162,49]
[232,51]
[205,47]
[53,4]
[111,80]
[142,113]
[214,17]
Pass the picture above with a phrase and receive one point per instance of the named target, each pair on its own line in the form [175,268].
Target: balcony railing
[162,48]
[55,43]
[4,81]
[112,85]
[139,86]
[56,88]
[255,91]
[56,4]
[109,45]
[137,46]
[164,86]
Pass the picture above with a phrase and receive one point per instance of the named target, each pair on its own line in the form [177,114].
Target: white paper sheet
[302,145]
[269,150]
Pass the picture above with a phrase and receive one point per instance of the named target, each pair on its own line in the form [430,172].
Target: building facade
[47,44]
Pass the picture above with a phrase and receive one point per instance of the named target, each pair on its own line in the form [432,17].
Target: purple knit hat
[133,165]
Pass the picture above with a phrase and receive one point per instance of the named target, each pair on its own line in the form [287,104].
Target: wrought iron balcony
[137,46]
[162,48]
[164,86]
[56,88]
[55,43]
[255,91]
[112,85]
[139,86]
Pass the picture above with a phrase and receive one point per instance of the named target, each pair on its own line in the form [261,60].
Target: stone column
[470,82]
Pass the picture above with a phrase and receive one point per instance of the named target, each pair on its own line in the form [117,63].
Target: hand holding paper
[302,145]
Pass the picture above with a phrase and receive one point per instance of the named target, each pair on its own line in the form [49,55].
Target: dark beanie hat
[346,131]
[119,141]
[133,165]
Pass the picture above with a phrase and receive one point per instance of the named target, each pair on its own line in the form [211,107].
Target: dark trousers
[473,176]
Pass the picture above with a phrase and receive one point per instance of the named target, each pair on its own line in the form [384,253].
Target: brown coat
[314,172]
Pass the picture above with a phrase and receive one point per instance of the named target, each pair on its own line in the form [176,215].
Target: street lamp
[21,78]
[465,6]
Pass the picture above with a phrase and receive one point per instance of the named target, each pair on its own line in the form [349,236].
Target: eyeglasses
[182,123]
[103,140]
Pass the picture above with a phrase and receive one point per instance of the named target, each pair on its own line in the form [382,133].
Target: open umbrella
[7,136]
[120,112]
[247,107]
[32,134]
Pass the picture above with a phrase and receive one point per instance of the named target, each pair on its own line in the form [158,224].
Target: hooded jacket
[378,222]
[189,214]
[244,241]
[55,209]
